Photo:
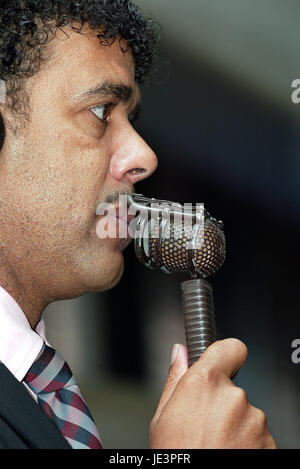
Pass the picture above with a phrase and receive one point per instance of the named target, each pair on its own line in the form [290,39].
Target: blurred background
[226,132]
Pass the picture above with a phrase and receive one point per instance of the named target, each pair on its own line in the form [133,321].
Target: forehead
[78,62]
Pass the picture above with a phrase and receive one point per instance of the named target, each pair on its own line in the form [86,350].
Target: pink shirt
[19,344]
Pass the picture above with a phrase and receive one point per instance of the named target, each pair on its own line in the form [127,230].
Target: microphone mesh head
[199,251]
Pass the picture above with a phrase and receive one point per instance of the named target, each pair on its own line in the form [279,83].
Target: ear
[2,132]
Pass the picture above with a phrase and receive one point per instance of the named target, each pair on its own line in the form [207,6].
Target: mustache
[113,197]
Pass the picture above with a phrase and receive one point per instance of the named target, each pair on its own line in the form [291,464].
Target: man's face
[77,150]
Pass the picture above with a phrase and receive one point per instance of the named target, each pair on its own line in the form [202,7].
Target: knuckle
[240,398]
[270,443]
[260,427]
[261,418]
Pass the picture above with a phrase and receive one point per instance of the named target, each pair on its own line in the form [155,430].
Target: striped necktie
[51,379]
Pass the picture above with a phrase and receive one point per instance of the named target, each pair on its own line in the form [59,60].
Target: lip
[122,214]
[120,220]
[123,220]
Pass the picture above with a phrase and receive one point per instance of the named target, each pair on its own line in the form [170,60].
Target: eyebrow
[112,90]
[107,90]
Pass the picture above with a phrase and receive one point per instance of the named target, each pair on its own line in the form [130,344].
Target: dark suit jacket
[23,424]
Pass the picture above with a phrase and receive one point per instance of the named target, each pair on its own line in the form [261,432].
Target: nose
[132,159]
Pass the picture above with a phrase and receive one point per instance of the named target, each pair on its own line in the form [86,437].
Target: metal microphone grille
[197,252]
[204,259]
[196,248]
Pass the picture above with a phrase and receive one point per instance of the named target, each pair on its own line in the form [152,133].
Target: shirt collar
[19,344]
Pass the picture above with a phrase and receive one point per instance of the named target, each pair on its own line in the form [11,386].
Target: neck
[27,295]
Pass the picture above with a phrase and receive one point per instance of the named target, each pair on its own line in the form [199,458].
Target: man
[71,71]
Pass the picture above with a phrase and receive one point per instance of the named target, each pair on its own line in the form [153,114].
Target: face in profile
[77,150]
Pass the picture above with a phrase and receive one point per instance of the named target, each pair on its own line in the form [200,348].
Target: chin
[115,280]
[104,275]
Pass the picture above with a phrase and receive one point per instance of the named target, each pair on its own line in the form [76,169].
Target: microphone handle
[199,317]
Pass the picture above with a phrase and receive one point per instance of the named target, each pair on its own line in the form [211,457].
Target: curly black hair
[27,26]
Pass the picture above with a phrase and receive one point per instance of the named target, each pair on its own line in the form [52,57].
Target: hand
[200,407]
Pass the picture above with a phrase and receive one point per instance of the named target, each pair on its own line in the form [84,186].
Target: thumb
[179,366]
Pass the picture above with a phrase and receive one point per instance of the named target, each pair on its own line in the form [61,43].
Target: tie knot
[49,372]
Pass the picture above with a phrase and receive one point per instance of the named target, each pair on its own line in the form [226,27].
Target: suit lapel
[25,417]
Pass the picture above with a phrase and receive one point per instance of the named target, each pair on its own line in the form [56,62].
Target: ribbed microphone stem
[199,317]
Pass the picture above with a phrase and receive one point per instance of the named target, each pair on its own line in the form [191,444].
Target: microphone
[186,239]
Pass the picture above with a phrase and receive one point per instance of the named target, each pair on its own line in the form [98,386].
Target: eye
[102,112]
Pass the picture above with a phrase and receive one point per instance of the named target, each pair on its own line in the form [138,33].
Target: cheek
[83,173]
[89,125]
[90,168]
[60,175]
[76,154]
[53,190]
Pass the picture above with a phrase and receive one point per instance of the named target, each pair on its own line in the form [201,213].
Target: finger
[225,356]
[178,368]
